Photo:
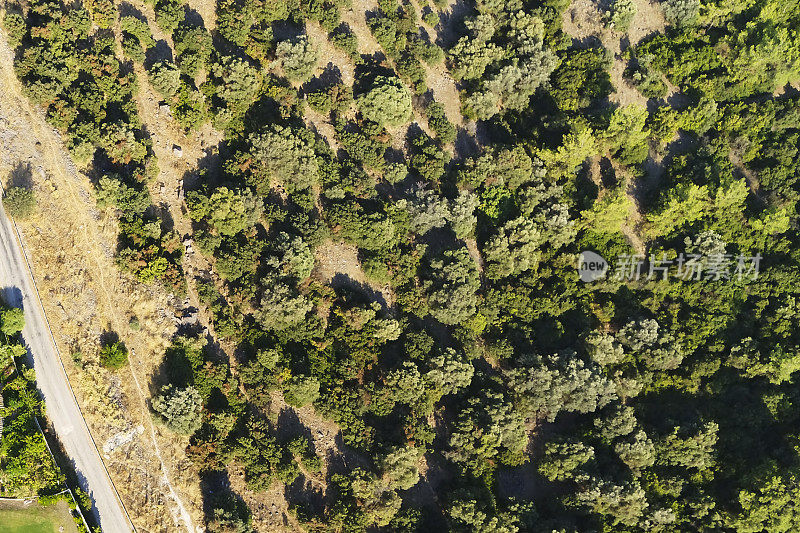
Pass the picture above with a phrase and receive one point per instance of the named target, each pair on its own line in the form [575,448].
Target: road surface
[61,407]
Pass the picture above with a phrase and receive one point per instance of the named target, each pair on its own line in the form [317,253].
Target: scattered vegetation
[459,337]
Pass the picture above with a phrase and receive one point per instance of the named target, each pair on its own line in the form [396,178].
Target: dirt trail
[356,18]
[441,84]
[102,297]
[584,18]
[583,21]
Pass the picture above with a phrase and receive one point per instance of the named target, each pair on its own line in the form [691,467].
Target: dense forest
[479,385]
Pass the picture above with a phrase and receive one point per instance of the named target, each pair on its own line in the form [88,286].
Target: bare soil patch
[337,264]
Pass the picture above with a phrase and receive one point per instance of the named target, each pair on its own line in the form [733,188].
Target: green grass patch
[35,518]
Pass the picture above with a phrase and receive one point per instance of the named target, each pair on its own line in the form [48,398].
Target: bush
[288,155]
[647,80]
[189,111]
[410,69]
[165,78]
[193,48]
[169,13]
[345,40]
[104,13]
[236,82]
[299,58]
[12,321]
[15,27]
[337,97]
[19,202]
[387,102]
[136,38]
[444,129]
[621,15]
[429,17]
[425,51]
[114,356]
[301,390]
[386,33]
[681,12]
[227,211]
[179,409]
[452,286]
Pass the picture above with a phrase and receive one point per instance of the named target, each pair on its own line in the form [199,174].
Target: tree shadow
[331,75]
[128,10]
[21,176]
[304,494]
[192,18]
[371,67]
[158,53]
[218,495]
[286,30]
[108,337]
[344,282]
[288,426]
[466,145]
[451,23]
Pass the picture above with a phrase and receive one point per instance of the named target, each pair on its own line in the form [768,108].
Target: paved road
[62,408]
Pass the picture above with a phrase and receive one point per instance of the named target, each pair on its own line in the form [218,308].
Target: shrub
[444,129]
[288,155]
[429,17]
[112,192]
[387,102]
[189,111]
[19,202]
[193,48]
[114,356]
[282,307]
[104,13]
[169,13]
[179,409]
[452,286]
[425,51]
[621,15]
[345,40]
[165,77]
[386,33]
[227,211]
[238,82]
[410,69]
[12,321]
[298,57]
[681,12]
[337,97]
[15,27]
[428,159]
[647,80]
[301,390]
